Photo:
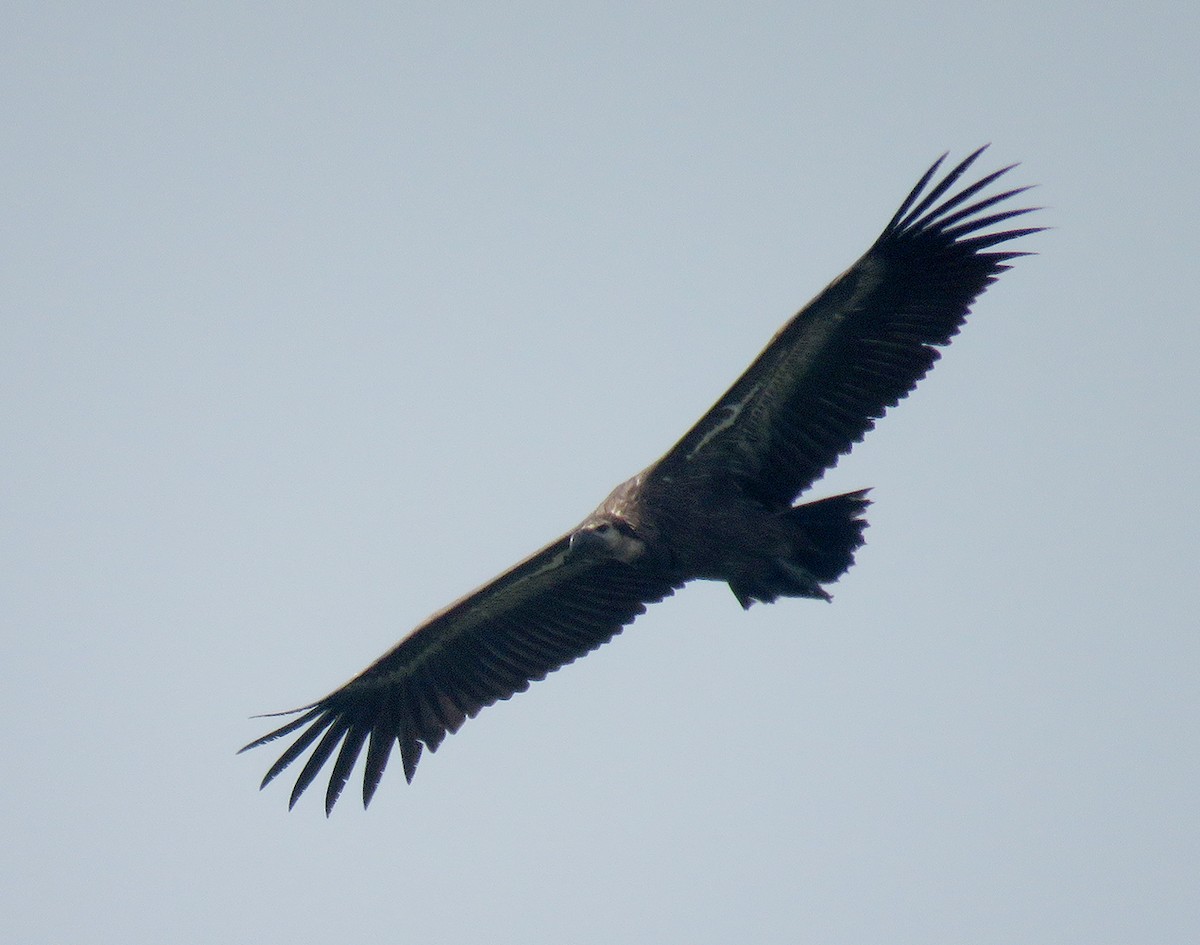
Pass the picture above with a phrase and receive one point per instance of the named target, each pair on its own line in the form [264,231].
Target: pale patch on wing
[497,597]
[820,320]
[551,565]
[869,275]
[504,598]
[732,412]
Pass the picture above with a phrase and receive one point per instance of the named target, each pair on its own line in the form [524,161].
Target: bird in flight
[718,506]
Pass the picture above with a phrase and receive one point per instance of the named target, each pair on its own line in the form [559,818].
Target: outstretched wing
[857,348]
[550,609]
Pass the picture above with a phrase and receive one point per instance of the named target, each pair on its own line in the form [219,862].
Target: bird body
[719,505]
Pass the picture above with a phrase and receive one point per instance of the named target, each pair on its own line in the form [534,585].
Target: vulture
[719,506]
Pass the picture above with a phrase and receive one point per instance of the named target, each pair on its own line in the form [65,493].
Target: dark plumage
[717,506]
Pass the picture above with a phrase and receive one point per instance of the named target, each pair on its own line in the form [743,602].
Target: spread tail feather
[827,533]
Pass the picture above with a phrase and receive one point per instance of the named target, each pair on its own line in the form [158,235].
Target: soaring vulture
[718,506]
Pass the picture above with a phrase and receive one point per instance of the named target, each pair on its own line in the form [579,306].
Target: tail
[827,533]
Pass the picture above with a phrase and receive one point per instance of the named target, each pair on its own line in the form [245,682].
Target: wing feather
[861,346]
[379,750]
[544,613]
[351,746]
[333,734]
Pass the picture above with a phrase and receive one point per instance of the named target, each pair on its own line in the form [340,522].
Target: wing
[859,347]
[550,609]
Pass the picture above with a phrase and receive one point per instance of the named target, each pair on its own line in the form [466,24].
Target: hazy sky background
[317,316]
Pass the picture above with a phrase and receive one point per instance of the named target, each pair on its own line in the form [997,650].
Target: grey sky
[317,317]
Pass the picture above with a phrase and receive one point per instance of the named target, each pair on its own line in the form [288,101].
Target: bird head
[607,537]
